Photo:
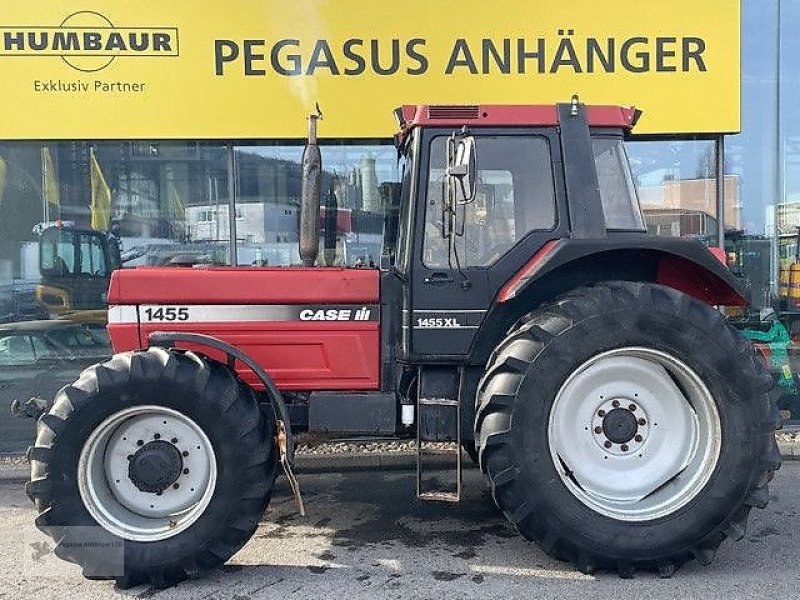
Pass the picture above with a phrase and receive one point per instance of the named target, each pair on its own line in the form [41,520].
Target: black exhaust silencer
[310,193]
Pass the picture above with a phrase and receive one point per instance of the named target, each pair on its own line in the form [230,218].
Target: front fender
[168,339]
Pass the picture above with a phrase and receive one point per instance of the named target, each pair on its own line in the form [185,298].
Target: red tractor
[519,309]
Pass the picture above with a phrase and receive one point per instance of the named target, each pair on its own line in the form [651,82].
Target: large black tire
[524,376]
[205,391]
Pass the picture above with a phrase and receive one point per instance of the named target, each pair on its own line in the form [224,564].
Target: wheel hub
[147,472]
[620,426]
[155,466]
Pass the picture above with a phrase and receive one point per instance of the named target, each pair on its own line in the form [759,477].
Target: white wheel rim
[674,448]
[113,498]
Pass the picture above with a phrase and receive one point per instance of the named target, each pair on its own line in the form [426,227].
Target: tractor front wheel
[627,426]
[153,467]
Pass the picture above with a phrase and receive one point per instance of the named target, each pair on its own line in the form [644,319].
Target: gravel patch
[366,446]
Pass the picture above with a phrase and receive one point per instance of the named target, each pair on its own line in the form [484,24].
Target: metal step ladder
[425,405]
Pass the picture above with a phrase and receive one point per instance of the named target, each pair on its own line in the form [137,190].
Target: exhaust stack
[310,194]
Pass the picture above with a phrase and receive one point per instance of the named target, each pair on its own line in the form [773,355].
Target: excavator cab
[75,264]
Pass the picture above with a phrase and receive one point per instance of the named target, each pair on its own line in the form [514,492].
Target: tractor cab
[488,191]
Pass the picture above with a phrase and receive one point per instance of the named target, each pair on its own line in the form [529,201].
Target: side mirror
[461,166]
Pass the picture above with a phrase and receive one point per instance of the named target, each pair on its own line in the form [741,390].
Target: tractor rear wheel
[153,467]
[627,426]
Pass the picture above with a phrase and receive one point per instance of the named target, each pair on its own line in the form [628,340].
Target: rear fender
[697,279]
[683,264]
[561,265]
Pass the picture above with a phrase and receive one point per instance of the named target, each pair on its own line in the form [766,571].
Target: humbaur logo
[88,41]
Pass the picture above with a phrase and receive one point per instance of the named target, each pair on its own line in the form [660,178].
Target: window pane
[677,188]
[16,350]
[40,348]
[617,193]
[514,196]
[162,189]
[92,258]
[57,252]
[356,197]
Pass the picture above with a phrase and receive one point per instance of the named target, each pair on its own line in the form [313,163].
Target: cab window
[93,260]
[58,252]
[617,192]
[65,252]
[514,195]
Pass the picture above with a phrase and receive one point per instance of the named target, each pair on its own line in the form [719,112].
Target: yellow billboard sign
[255,68]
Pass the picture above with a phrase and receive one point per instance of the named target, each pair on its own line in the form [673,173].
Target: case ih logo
[87,41]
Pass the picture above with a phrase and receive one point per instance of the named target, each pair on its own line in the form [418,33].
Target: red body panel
[516,115]
[243,285]
[298,355]
[124,336]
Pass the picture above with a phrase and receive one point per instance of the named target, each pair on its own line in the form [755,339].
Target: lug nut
[176,486]
[139,443]
[615,404]
[608,444]
[186,471]
[624,447]
[632,407]
[598,429]
[601,413]
[130,456]
[156,436]
[185,453]
[174,440]
[638,438]
[642,422]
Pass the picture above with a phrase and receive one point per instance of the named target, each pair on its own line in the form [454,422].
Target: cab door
[514,213]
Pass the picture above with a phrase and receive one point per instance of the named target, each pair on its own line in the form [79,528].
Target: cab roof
[506,115]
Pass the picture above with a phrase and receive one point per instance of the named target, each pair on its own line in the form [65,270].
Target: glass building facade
[198,201]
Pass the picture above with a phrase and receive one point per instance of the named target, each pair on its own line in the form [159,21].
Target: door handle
[439,277]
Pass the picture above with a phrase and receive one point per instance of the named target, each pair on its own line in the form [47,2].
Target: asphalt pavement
[365,536]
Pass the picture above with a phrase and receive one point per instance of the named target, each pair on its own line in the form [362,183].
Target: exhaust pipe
[311,184]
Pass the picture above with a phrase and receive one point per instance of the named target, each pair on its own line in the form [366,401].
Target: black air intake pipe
[331,224]
[310,195]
